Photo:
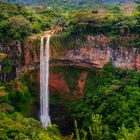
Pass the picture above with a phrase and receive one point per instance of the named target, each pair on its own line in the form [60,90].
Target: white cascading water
[44,79]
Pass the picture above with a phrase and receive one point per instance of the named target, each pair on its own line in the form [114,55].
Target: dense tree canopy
[111,107]
[114,94]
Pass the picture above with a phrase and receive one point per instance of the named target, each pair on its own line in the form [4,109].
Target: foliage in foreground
[97,131]
[110,109]
[14,126]
[16,96]
[114,94]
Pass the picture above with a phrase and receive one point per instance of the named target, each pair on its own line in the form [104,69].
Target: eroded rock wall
[93,53]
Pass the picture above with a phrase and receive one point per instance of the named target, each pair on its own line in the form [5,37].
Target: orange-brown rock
[94,53]
[138,63]
[126,58]
[82,57]
[31,52]
[79,91]
[57,83]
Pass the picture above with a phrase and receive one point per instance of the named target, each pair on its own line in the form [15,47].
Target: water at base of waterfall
[44,79]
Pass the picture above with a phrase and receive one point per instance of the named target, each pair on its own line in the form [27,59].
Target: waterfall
[44,79]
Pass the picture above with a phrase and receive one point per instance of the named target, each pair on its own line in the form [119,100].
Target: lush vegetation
[63,5]
[112,102]
[111,107]
[17,22]
[17,106]
[15,126]
[117,23]
[111,21]
[121,29]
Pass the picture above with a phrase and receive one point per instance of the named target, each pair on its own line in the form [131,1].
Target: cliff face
[126,58]
[94,53]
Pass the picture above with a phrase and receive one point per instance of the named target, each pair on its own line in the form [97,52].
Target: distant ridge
[38,2]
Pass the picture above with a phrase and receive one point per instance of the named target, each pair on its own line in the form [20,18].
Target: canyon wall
[94,53]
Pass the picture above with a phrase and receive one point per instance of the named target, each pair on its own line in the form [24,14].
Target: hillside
[76,1]
[71,4]
[76,63]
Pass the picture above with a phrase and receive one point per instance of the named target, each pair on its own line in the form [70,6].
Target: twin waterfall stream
[44,81]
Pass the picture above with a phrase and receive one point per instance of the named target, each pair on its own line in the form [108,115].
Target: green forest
[110,107]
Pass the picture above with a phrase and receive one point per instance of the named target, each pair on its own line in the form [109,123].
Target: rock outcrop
[94,53]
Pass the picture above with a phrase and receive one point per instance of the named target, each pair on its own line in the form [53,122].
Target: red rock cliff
[95,52]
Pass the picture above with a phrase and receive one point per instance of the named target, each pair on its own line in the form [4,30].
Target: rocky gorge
[94,53]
